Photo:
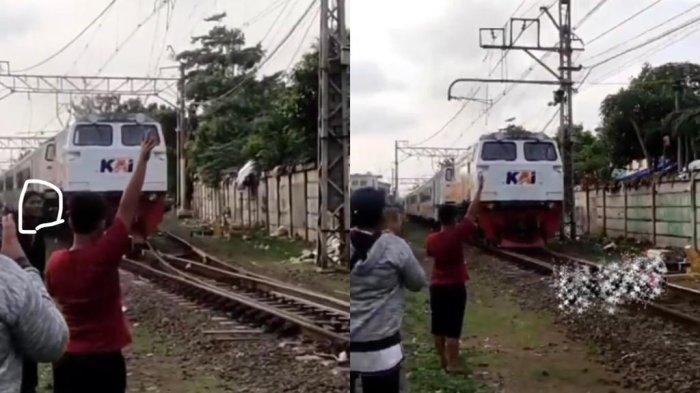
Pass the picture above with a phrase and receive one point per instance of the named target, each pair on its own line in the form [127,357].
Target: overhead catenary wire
[71,41]
[265,59]
[301,42]
[274,22]
[131,35]
[478,88]
[629,18]
[647,42]
[643,33]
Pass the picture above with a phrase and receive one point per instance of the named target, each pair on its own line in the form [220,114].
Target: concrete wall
[664,213]
[285,197]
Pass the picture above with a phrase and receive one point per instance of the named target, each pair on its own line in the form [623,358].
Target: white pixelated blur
[580,289]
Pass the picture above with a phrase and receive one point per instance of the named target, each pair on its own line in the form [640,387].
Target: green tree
[590,154]
[632,117]
[239,116]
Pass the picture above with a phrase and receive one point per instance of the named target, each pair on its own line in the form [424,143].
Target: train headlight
[490,206]
[152,197]
[551,205]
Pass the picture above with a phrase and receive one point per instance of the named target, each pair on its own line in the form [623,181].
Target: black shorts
[447,303]
[103,372]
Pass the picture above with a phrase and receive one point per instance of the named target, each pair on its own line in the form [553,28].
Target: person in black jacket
[34,248]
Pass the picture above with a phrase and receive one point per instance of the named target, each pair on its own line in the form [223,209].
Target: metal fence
[284,197]
[664,213]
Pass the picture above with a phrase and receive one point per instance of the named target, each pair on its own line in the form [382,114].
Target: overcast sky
[31,30]
[405,53]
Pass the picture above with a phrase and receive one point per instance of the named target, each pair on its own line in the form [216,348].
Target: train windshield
[93,135]
[496,151]
[133,134]
[540,151]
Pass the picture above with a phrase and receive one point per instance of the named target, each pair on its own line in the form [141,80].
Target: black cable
[64,47]
[301,42]
[649,30]
[594,39]
[266,59]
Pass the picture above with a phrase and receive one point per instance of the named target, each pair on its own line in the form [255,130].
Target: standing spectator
[31,327]
[393,220]
[84,280]
[448,295]
[34,248]
[382,265]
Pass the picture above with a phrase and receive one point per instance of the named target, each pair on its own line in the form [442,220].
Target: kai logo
[116,165]
[520,177]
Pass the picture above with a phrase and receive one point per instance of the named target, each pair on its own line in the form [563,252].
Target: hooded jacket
[377,285]
[30,324]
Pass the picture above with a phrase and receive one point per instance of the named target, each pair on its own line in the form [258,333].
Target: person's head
[33,204]
[392,220]
[87,212]
[367,208]
[447,215]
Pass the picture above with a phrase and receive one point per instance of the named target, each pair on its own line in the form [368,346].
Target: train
[521,202]
[95,153]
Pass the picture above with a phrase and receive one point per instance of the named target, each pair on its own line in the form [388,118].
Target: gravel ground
[184,359]
[650,353]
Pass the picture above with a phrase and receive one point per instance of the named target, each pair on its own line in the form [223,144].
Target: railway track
[678,302]
[183,268]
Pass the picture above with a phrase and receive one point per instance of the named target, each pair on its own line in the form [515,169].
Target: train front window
[540,151]
[498,151]
[93,135]
[133,134]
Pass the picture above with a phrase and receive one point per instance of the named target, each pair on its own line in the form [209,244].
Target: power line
[647,42]
[478,88]
[131,35]
[271,7]
[274,23]
[590,13]
[594,39]
[64,47]
[649,30]
[264,60]
[301,42]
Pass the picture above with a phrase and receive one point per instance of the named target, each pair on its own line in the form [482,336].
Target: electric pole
[333,134]
[183,196]
[563,78]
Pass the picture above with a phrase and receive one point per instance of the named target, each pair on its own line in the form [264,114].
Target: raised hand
[10,243]
[147,146]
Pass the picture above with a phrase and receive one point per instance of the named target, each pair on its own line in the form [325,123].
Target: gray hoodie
[377,288]
[30,324]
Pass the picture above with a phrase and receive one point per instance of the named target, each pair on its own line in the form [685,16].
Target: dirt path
[507,346]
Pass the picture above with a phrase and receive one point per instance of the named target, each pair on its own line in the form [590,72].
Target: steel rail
[548,268]
[224,299]
[318,300]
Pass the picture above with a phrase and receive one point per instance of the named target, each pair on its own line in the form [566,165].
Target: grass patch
[424,372]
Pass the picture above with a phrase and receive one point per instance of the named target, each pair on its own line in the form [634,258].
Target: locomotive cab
[523,188]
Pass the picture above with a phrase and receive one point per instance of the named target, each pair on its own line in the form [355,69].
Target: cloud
[367,78]
[381,119]
[16,20]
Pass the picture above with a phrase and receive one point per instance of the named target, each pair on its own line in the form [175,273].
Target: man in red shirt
[448,295]
[84,281]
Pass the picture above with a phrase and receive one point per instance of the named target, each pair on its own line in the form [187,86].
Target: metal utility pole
[182,195]
[333,134]
[396,168]
[563,96]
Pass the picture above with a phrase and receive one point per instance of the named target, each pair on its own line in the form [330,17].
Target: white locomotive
[523,188]
[96,154]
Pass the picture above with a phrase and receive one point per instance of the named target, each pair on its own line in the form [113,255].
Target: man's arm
[473,210]
[39,329]
[130,198]
[412,273]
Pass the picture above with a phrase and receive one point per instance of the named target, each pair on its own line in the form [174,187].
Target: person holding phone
[84,281]
[31,327]
[34,248]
